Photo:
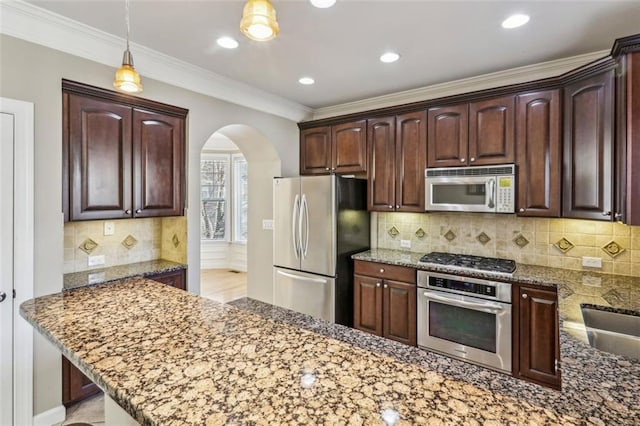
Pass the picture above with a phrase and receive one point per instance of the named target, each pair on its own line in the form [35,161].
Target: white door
[16,260]
[6,269]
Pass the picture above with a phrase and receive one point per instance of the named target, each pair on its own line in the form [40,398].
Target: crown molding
[36,25]
[486,81]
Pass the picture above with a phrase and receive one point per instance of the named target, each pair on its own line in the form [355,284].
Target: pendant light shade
[259,20]
[127,78]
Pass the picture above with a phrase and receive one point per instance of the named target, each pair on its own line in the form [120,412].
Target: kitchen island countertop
[169,357]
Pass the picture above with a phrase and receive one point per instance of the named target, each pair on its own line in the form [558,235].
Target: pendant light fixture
[127,78]
[259,20]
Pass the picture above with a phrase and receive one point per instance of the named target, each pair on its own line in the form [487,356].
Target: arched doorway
[262,164]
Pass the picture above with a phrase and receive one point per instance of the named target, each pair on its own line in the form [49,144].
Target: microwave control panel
[505,194]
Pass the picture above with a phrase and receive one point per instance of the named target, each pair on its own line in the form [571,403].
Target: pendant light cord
[126,19]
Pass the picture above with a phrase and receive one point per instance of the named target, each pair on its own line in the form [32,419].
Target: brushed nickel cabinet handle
[386,286]
[524,296]
[521,209]
[377,284]
[128,211]
[472,159]
[381,270]
[462,160]
[139,211]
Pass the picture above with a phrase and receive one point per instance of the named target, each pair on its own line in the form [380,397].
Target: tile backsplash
[134,240]
[536,241]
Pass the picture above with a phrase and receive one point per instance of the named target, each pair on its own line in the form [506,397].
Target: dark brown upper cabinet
[397,156]
[588,148]
[476,134]
[334,149]
[123,157]
[538,138]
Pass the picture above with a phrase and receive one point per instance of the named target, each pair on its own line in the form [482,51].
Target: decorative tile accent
[450,235]
[129,242]
[563,245]
[614,298]
[420,233]
[175,241]
[564,291]
[88,246]
[520,241]
[613,249]
[483,238]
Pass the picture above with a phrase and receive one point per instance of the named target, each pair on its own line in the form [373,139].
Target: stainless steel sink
[613,332]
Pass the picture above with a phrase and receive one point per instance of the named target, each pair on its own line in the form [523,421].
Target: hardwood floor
[223,285]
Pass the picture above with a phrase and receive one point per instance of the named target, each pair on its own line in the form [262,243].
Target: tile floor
[90,411]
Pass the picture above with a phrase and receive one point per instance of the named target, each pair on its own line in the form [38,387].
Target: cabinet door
[100,159]
[382,176]
[158,165]
[447,136]
[315,151]
[538,153]
[367,313]
[75,385]
[174,279]
[400,312]
[491,131]
[539,336]
[588,148]
[349,147]
[411,160]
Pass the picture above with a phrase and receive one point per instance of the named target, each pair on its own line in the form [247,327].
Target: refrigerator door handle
[295,241]
[305,207]
[301,278]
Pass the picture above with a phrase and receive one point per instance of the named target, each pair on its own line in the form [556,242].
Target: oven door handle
[455,302]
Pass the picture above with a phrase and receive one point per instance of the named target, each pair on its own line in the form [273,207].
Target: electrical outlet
[267,224]
[109,228]
[96,260]
[592,262]
[405,243]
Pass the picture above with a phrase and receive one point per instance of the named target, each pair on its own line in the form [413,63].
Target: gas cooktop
[480,263]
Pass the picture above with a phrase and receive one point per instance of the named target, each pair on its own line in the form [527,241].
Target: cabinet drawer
[174,278]
[385,271]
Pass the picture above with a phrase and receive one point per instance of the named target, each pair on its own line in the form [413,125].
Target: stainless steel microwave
[471,189]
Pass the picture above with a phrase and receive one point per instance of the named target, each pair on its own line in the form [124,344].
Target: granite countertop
[618,293]
[169,357]
[118,272]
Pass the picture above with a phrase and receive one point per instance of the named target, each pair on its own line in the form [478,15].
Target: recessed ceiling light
[306,81]
[389,57]
[227,42]
[323,4]
[515,21]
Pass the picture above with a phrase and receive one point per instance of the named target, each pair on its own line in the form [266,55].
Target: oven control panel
[463,286]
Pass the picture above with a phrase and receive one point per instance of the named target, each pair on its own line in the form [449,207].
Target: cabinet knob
[521,209]
[462,160]
[606,213]
[326,168]
[333,168]
[397,206]
[618,216]
[524,295]
[127,211]
[390,207]
[386,286]
[377,284]
[139,211]
[382,270]
[472,159]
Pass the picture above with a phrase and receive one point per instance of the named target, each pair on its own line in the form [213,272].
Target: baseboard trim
[50,417]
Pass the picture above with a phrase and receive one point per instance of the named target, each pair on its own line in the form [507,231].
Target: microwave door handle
[491,193]
[486,306]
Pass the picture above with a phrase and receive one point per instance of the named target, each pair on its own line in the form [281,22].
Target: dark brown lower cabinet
[175,279]
[384,306]
[538,337]
[75,385]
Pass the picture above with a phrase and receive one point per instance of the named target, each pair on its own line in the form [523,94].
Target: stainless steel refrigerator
[319,222]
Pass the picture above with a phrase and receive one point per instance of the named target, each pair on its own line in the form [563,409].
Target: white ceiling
[339,47]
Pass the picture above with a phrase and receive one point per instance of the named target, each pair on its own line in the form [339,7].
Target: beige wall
[33,73]
[541,235]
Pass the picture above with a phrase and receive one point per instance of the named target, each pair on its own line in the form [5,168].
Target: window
[224,196]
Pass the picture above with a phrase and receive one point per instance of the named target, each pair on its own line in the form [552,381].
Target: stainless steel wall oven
[467,318]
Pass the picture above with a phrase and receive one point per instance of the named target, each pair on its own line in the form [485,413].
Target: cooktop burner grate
[481,263]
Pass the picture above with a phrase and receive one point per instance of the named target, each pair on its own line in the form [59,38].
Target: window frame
[211,156]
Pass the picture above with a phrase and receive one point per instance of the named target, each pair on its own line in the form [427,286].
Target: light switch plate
[109,228]
[267,224]
[405,243]
[592,262]
[96,260]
